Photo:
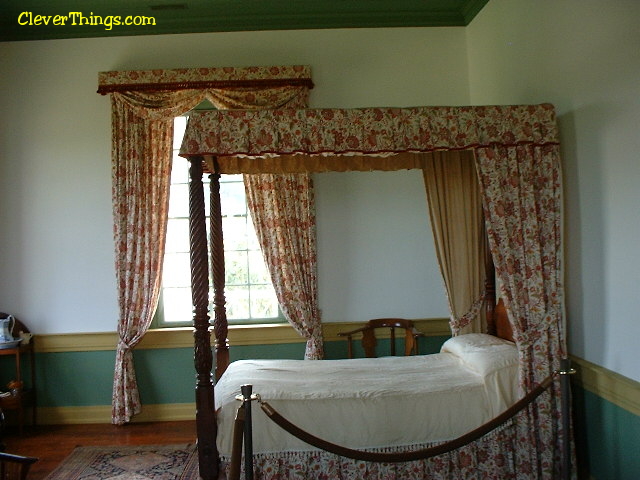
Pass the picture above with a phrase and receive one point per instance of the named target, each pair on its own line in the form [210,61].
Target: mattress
[374,403]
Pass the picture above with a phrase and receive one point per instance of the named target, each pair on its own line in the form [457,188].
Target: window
[250,296]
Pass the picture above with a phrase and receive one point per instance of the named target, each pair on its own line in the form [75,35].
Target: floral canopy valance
[365,131]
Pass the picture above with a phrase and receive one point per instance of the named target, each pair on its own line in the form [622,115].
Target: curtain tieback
[464,320]
[534,332]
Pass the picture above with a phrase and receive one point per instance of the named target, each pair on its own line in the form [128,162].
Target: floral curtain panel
[283,211]
[144,104]
[522,188]
[517,157]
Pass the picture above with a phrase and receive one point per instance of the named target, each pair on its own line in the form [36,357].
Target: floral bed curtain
[283,211]
[522,188]
[144,104]
[517,157]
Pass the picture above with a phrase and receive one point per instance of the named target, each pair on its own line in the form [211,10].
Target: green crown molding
[19,21]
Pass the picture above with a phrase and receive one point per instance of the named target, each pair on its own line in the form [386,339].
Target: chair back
[369,340]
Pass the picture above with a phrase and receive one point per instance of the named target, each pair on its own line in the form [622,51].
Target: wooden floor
[51,444]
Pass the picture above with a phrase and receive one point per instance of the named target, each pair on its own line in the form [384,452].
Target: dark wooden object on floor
[15,467]
[23,396]
[369,340]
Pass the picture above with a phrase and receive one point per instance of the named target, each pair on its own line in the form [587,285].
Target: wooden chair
[369,340]
[15,467]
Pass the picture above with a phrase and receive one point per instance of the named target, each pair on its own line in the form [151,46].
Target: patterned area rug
[135,462]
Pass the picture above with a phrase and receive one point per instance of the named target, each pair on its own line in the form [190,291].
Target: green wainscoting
[165,375]
[607,438]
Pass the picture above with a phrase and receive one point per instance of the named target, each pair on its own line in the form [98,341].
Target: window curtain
[142,137]
[143,107]
[283,212]
[457,222]
[282,207]
[521,186]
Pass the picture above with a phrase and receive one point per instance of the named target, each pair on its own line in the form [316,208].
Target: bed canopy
[516,155]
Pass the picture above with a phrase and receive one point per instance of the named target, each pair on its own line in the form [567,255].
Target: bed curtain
[457,222]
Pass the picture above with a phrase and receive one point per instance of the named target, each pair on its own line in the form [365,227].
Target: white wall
[584,57]
[56,254]
[376,256]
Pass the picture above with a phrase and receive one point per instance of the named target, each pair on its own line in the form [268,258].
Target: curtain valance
[204,78]
[365,131]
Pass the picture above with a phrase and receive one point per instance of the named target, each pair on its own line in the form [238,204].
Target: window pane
[236,268]
[232,199]
[248,291]
[264,303]
[234,231]
[177,235]
[258,272]
[179,201]
[177,270]
[179,125]
[237,303]
[177,305]
[231,177]
[179,169]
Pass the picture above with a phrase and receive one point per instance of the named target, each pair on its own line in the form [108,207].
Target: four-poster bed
[515,150]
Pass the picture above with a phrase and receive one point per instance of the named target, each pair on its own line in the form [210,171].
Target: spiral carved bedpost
[205,407]
[218,276]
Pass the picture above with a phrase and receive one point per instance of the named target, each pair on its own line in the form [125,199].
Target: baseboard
[102,414]
[613,387]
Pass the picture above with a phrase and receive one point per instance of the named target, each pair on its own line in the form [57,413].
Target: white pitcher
[6,327]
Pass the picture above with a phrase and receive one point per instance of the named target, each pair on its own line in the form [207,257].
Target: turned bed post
[205,408]
[220,326]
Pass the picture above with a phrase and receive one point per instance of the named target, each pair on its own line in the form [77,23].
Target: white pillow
[482,353]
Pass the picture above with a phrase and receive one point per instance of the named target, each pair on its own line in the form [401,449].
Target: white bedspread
[373,403]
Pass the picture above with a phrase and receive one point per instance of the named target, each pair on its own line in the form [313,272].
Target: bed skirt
[495,456]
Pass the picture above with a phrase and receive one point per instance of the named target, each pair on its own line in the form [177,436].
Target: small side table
[25,397]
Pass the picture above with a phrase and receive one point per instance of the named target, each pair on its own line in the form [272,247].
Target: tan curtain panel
[457,222]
